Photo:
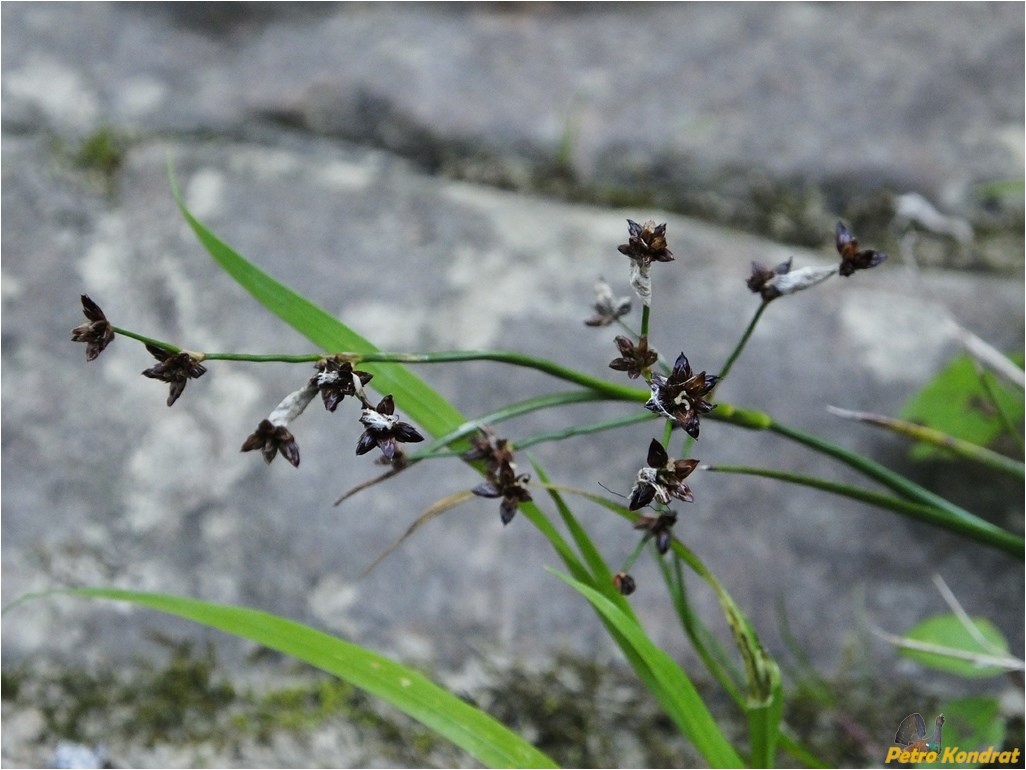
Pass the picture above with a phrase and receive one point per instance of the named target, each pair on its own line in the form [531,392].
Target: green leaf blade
[956,403]
[764,727]
[471,729]
[414,397]
[601,576]
[949,632]
[668,682]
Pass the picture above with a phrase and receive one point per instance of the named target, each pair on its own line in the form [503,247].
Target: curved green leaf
[414,397]
[958,649]
[471,729]
[670,685]
[956,403]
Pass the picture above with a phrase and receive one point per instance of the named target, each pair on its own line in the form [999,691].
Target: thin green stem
[626,568]
[535,404]
[271,358]
[605,387]
[646,311]
[258,358]
[146,340]
[608,389]
[725,370]
[874,470]
[582,430]
[755,420]
[989,535]
[667,430]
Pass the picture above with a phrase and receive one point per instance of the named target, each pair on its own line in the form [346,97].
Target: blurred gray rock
[161,498]
[286,125]
[73,756]
[768,116]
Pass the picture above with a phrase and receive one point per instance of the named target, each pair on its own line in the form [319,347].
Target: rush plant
[407,422]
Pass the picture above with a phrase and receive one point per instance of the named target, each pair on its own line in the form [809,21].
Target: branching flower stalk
[978,529]
[646,244]
[609,389]
[148,340]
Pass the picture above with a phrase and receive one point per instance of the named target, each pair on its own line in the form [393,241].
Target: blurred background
[446,176]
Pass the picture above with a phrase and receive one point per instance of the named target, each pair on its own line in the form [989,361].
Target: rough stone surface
[311,137]
[774,116]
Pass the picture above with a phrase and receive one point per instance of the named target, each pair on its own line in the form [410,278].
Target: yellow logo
[913,747]
[952,755]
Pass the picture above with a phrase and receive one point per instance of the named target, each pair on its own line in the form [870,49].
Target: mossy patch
[581,712]
[188,701]
[100,156]
[103,152]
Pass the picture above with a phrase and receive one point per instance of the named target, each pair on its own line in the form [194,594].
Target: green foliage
[667,681]
[438,416]
[1007,191]
[970,648]
[187,703]
[103,152]
[956,402]
[435,414]
[984,641]
[408,690]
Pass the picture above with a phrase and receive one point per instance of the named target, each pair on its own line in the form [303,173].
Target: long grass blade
[612,390]
[707,646]
[414,397]
[672,687]
[471,729]
[600,572]
[584,576]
